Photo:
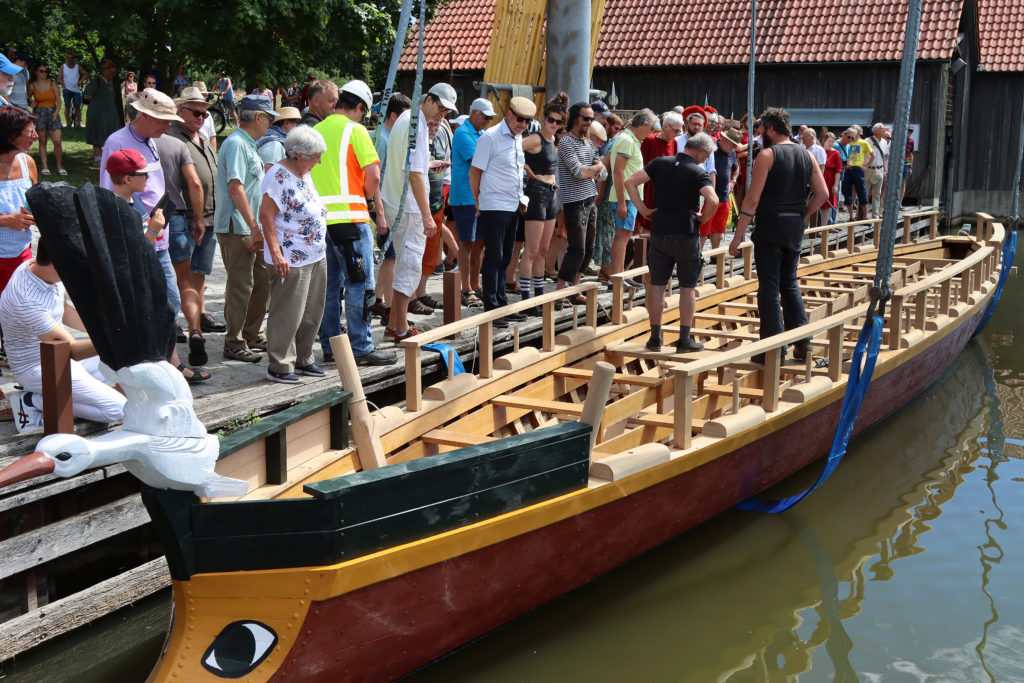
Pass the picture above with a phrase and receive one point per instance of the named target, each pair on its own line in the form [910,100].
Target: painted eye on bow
[239,648]
[63,456]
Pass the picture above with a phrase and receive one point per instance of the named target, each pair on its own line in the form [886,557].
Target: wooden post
[618,288]
[592,307]
[906,230]
[772,374]
[720,271]
[876,224]
[640,255]
[597,398]
[748,261]
[452,298]
[944,292]
[55,359]
[683,410]
[835,353]
[451,357]
[486,345]
[824,242]
[851,237]
[548,325]
[895,321]
[933,226]
[920,310]
[364,433]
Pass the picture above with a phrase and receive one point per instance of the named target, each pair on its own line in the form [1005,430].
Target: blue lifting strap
[1009,251]
[856,388]
[443,349]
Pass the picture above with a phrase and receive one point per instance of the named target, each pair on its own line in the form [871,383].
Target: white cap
[482,105]
[360,90]
[446,95]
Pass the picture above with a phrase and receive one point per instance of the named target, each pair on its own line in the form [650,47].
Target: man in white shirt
[496,181]
[33,309]
[810,140]
[695,118]
[410,231]
[875,172]
[72,76]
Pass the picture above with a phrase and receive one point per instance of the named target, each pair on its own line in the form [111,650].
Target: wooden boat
[493,493]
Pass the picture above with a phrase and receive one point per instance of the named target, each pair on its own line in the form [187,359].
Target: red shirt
[833,167]
[652,147]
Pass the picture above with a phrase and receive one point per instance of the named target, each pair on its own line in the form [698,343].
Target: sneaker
[454,265]
[244,355]
[283,377]
[311,370]
[397,338]
[653,344]
[439,269]
[207,323]
[515,317]
[688,344]
[801,349]
[377,309]
[635,284]
[500,323]
[385,317]
[27,416]
[377,358]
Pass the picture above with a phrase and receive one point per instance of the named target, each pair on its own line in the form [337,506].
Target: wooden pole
[597,397]
[451,297]
[55,358]
[368,444]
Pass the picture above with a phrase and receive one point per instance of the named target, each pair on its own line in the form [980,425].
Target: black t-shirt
[677,182]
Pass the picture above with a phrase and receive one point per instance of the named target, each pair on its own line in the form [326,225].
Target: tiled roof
[463,24]
[1000,31]
[665,32]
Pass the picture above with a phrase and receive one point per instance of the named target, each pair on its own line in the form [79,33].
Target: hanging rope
[1009,252]
[869,342]
[870,337]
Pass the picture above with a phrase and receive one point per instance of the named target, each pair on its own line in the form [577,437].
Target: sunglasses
[196,113]
[521,119]
[555,121]
[42,71]
[587,119]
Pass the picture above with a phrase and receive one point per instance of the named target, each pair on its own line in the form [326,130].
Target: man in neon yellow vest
[349,173]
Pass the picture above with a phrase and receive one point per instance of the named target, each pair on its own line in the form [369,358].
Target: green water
[904,566]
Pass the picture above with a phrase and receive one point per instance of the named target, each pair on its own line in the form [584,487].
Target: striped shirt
[574,155]
[29,307]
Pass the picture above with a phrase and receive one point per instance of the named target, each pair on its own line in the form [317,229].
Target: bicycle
[219,111]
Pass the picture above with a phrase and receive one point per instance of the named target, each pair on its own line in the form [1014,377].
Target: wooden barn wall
[819,86]
[996,103]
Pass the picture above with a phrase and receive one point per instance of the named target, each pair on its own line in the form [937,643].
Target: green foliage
[267,41]
[239,422]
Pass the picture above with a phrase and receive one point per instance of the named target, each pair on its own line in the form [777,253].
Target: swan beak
[32,465]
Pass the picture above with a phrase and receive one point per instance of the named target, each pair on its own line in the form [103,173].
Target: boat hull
[389,628]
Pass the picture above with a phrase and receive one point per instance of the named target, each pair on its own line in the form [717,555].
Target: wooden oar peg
[364,433]
[597,398]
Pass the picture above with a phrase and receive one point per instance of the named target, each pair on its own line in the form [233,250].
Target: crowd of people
[303,199]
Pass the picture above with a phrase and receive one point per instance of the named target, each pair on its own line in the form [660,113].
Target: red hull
[388,629]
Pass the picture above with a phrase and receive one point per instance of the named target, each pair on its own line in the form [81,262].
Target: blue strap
[856,388]
[1009,251]
[443,349]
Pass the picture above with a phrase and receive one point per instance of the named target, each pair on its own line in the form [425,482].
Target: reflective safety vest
[339,176]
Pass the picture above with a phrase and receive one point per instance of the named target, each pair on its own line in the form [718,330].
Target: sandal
[198,376]
[430,301]
[577,299]
[471,300]
[417,307]
[197,350]
[512,287]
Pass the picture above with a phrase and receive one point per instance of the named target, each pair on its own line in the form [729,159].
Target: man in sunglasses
[192,251]
[496,181]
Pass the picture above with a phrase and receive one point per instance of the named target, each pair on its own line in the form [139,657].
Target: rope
[1009,251]
[870,340]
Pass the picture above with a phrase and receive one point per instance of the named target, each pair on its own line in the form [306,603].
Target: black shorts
[680,251]
[542,200]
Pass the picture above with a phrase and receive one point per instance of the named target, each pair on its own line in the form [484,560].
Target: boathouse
[832,63]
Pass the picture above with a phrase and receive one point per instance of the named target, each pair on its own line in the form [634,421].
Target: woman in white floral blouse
[295,255]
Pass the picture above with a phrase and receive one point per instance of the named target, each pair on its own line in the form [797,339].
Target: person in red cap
[128,170]
[694,120]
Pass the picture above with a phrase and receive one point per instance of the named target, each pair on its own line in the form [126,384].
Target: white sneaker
[27,418]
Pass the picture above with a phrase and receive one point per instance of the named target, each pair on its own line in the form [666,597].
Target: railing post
[413,379]
[548,325]
[487,350]
[823,234]
[906,230]
[772,374]
[683,410]
[618,290]
[835,352]
[720,270]
[933,226]
[748,261]
[592,307]
[452,299]
[58,414]
[895,321]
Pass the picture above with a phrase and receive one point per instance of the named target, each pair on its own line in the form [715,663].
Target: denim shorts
[465,222]
[627,223]
[181,245]
[70,97]
[542,200]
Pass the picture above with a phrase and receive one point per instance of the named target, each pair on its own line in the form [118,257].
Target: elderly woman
[295,253]
[102,119]
[17,174]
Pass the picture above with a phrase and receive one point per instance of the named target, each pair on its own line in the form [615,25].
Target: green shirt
[628,146]
[237,159]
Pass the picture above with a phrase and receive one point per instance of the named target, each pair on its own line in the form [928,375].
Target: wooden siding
[996,103]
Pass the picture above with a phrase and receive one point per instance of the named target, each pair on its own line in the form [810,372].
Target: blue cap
[258,103]
[9,67]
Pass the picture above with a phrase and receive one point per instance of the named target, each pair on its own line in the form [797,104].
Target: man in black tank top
[779,181]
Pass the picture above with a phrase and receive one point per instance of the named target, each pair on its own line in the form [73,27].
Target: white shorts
[91,397]
[410,243]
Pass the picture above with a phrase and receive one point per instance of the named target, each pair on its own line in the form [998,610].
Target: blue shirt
[237,159]
[381,144]
[463,147]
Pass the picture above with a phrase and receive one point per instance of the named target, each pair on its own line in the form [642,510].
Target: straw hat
[287,114]
[201,86]
[190,94]
[154,103]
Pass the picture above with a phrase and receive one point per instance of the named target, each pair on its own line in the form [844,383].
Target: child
[128,172]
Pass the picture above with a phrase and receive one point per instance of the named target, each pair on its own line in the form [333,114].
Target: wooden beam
[632,380]
[447,437]
[41,545]
[55,359]
[543,405]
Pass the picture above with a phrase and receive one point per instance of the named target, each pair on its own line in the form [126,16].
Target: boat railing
[484,322]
